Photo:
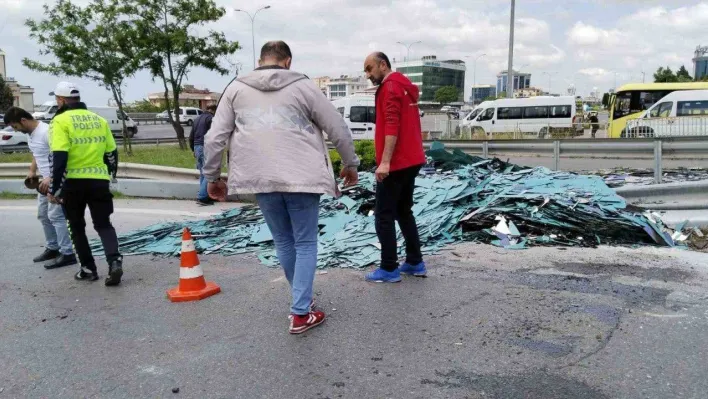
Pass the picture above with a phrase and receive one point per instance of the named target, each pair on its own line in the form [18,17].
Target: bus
[631,100]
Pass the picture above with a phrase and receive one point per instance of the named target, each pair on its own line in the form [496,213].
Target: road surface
[488,323]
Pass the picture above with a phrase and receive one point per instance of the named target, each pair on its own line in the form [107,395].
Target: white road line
[154,212]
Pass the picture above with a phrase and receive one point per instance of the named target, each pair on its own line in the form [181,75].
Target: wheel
[131,132]
[543,133]
[189,122]
[479,132]
[644,131]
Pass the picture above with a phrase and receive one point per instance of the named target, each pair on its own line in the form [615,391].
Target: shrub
[367,155]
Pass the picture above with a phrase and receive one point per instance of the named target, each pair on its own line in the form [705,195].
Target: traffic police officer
[84,157]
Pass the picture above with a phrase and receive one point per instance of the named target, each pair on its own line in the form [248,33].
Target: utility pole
[408,47]
[253,34]
[510,70]
[474,76]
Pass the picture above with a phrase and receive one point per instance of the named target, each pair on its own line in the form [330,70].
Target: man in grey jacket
[274,120]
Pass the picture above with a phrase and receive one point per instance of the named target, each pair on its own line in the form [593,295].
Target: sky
[589,43]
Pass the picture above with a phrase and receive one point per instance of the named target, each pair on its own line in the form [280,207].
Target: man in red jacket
[399,156]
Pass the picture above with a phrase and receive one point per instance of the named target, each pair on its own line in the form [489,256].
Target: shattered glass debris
[642,177]
[458,198]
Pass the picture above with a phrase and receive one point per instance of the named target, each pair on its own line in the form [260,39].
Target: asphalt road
[487,323]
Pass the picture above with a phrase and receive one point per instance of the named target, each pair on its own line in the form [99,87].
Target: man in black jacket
[200,128]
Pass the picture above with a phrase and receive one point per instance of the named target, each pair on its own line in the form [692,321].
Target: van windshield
[473,114]
[46,108]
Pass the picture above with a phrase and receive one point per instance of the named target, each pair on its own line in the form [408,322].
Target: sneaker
[48,254]
[61,261]
[115,272]
[312,307]
[382,276]
[205,202]
[86,274]
[301,323]
[418,270]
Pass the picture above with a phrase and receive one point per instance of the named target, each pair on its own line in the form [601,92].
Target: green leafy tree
[447,94]
[490,98]
[664,75]
[6,97]
[606,100]
[95,41]
[143,106]
[682,75]
[171,47]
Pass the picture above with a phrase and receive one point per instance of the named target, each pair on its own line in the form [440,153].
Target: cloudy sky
[589,42]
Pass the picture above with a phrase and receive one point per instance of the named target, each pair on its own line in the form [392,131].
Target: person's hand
[382,171]
[31,175]
[217,190]
[350,176]
[44,185]
[53,199]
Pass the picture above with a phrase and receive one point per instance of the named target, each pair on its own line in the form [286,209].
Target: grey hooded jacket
[274,120]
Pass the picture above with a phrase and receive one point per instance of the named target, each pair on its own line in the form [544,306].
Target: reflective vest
[86,137]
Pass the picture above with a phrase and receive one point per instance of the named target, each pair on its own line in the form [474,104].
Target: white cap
[65,89]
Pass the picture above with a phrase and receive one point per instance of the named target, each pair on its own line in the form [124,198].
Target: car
[8,136]
[163,115]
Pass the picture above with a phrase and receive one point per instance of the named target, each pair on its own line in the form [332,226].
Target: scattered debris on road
[620,177]
[459,197]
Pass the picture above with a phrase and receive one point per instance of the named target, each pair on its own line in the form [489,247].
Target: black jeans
[394,202]
[96,194]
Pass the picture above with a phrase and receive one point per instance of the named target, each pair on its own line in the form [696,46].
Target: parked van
[537,116]
[359,112]
[111,114]
[680,113]
[188,115]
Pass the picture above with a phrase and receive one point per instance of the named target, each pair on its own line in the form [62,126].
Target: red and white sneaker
[299,324]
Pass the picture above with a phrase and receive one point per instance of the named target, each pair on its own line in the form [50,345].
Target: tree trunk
[127,144]
[178,125]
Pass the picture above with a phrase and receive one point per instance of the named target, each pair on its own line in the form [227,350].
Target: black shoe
[85,274]
[115,272]
[48,254]
[205,202]
[61,261]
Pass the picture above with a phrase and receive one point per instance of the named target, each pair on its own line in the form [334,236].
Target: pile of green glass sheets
[458,198]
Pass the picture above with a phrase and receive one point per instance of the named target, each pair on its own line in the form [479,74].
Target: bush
[364,149]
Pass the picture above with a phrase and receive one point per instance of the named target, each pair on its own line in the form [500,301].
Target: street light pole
[253,33]
[474,76]
[408,47]
[510,71]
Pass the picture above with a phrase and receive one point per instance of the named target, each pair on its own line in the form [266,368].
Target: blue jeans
[292,219]
[199,154]
[56,232]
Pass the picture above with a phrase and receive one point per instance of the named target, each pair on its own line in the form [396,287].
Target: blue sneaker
[418,270]
[382,276]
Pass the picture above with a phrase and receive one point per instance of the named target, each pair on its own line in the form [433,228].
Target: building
[700,63]
[429,75]
[529,92]
[322,82]
[481,92]
[188,97]
[23,96]
[345,85]
[521,81]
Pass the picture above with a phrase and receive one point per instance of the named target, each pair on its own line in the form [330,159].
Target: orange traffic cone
[192,286]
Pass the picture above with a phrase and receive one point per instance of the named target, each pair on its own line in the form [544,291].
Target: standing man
[84,156]
[200,128]
[594,123]
[275,118]
[399,156]
[58,250]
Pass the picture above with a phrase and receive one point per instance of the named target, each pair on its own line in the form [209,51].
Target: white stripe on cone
[188,246]
[190,272]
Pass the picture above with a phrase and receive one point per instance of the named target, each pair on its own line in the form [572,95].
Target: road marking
[156,212]
[665,316]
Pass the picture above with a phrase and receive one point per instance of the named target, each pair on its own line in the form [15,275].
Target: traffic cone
[192,286]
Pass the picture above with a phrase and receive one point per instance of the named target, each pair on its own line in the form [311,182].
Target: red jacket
[397,115]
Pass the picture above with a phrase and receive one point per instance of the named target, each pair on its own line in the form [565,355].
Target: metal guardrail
[126,170]
[685,126]
[119,140]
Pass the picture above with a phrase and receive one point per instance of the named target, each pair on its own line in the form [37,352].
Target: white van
[680,113]
[359,112]
[528,116]
[467,121]
[187,115]
[111,114]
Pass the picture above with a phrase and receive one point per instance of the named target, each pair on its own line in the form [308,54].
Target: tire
[131,132]
[189,122]
[543,133]
[644,132]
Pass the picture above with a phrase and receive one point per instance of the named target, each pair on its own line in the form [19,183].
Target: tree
[171,48]
[682,75]
[143,106]
[447,94]
[490,98]
[664,75]
[606,100]
[6,98]
[94,42]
